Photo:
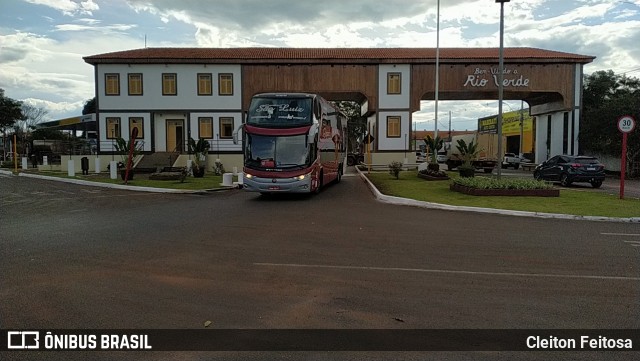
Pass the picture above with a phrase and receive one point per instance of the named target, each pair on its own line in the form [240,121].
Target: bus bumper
[277,185]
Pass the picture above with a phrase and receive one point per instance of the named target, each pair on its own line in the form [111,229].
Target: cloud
[230,23]
[69,7]
[106,29]
[49,66]
[53,71]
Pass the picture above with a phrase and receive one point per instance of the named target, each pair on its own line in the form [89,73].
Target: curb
[439,206]
[117,186]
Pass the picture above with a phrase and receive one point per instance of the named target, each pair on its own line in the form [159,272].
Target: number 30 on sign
[626,123]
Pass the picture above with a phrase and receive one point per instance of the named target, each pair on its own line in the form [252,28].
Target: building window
[393,127]
[169,84]
[205,127]
[204,84]
[112,84]
[226,128]
[136,122]
[225,84]
[113,128]
[135,84]
[394,83]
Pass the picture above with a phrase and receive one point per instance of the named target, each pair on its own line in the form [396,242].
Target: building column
[557,134]
[541,138]
[575,131]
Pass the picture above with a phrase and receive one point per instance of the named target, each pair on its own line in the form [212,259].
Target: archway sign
[626,124]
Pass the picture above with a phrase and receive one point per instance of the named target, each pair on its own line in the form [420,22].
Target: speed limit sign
[626,123]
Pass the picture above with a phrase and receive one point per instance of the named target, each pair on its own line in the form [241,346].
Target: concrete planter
[505,192]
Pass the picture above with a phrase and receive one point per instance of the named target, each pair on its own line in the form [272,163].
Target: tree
[468,151]
[10,111]
[434,146]
[32,117]
[356,124]
[606,97]
[89,106]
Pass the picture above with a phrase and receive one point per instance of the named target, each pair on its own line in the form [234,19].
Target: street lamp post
[500,85]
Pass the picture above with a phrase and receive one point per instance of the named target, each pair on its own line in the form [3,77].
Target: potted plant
[199,149]
[434,145]
[469,153]
[122,147]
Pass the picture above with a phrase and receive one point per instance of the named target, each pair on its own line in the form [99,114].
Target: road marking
[422,270]
[621,234]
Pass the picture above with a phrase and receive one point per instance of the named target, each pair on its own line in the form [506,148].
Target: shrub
[394,169]
[503,183]
[434,173]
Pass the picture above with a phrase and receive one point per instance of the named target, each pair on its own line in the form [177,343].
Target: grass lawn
[571,201]
[209,181]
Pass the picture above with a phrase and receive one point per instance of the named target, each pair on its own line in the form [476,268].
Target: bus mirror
[235,134]
[313,131]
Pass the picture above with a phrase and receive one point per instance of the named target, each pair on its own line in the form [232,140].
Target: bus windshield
[276,112]
[276,152]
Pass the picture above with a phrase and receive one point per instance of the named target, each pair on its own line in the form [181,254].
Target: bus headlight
[248,176]
[301,177]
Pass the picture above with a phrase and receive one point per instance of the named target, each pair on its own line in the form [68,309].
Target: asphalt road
[84,257]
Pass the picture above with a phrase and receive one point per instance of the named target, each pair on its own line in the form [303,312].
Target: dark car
[568,169]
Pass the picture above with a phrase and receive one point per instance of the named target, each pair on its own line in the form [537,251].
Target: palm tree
[434,145]
[469,152]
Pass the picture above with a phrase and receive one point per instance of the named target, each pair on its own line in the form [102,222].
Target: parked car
[420,157]
[511,160]
[441,157]
[568,169]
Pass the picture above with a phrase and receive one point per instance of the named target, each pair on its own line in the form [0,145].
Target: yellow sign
[510,123]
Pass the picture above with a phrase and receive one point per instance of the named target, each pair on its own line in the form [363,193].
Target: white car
[420,157]
[441,157]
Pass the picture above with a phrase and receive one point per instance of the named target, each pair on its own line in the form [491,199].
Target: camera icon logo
[23,340]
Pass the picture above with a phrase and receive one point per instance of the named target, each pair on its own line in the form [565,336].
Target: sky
[42,42]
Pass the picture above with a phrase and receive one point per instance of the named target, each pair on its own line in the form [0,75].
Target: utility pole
[449,125]
[521,127]
[435,132]
[500,84]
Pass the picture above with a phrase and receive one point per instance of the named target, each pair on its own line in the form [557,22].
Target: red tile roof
[331,55]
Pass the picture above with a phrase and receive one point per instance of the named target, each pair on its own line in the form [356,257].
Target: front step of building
[158,160]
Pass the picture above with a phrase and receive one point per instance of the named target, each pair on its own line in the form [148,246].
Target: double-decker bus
[293,142]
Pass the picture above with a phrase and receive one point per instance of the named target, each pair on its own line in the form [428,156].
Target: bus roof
[285,95]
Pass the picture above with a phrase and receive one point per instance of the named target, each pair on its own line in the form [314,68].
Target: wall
[394,101]
[187,87]
[333,82]
[216,143]
[107,145]
[400,143]
[537,83]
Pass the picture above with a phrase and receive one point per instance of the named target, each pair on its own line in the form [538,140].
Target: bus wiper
[290,165]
